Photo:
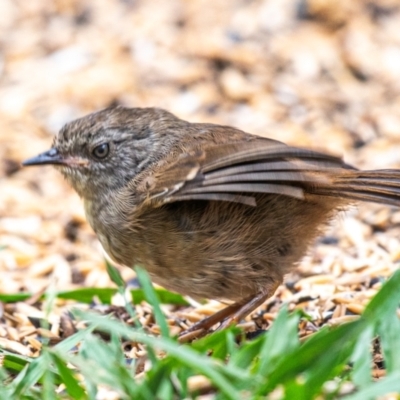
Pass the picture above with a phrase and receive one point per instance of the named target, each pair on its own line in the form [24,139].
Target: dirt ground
[317,73]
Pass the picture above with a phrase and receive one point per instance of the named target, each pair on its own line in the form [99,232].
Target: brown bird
[210,211]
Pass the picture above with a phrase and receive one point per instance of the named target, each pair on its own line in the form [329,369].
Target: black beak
[51,156]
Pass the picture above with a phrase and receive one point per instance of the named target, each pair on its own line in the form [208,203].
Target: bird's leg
[231,314]
[246,308]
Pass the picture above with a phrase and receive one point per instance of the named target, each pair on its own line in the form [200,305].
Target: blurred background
[318,73]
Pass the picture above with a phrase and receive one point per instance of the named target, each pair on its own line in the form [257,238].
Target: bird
[210,211]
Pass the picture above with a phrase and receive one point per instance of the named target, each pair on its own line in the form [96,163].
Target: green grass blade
[71,383]
[14,362]
[385,302]
[14,297]
[72,341]
[47,381]
[362,359]
[220,375]
[153,300]
[387,385]
[86,295]
[274,347]
[322,353]
[115,275]
[29,376]
[247,353]
[217,343]
[389,332]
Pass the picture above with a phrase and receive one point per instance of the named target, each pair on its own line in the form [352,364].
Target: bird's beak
[52,156]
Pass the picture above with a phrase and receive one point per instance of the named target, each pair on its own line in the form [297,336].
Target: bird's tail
[378,186]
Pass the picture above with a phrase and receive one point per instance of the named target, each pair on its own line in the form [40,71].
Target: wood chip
[258,66]
[14,347]
[198,383]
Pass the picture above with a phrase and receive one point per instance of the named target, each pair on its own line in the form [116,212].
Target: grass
[273,365]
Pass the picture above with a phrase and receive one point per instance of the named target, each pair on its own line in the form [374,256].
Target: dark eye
[101,151]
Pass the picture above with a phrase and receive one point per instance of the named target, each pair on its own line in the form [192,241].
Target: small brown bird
[210,211]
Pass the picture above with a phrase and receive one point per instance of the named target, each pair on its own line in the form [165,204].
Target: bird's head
[104,150]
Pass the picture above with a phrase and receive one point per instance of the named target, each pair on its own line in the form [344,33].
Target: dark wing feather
[262,151]
[236,171]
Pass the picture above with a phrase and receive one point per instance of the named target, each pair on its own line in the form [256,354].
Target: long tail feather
[378,186]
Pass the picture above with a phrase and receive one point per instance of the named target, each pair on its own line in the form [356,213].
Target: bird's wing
[236,171]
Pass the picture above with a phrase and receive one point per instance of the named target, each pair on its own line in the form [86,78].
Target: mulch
[311,73]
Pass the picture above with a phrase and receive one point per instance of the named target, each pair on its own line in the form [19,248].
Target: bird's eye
[101,151]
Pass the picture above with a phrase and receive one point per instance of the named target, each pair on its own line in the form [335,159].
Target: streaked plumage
[210,211]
